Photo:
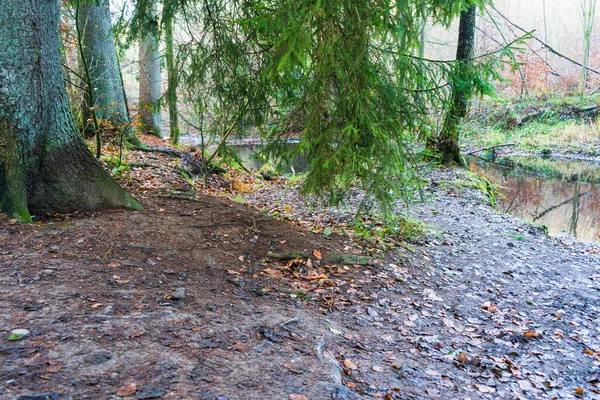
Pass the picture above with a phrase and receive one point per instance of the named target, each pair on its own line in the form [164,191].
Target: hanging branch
[546,45]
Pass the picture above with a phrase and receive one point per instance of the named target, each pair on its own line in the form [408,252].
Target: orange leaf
[317,254]
[531,334]
[579,391]
[127,390]
[350,365]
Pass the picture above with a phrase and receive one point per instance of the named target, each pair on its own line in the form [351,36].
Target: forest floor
[181,300]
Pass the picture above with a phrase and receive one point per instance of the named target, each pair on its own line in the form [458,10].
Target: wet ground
[487,307]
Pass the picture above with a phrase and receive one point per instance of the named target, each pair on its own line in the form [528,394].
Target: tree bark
[100,55]
[447,144]
[150,80]
[172,83]
[45,166]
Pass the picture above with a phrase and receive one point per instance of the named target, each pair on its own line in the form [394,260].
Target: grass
[550,130]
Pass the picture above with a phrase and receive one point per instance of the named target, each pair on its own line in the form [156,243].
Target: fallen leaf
[314,277]
[240,347]
[350,365]
[462,357]
[335,331]
[531,334]
[233,272]
[317,254]
[579,391]
[53,368]
[96,305]
[484,388]
[525,385]
[127,390]
[298,397]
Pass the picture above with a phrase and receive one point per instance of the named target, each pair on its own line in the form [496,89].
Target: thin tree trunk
[99,52]
[447,145]
[172,83]
[150,80]
[45,166]
[589,12]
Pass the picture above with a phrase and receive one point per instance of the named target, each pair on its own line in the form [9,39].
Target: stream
[561,194]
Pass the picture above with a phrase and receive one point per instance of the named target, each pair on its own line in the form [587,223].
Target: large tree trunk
[447,144]
[99,59]
[44,165]
[172,82]
[150,80]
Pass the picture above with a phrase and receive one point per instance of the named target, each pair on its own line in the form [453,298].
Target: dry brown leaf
[589,352]
[579,391]
[53,368]
[127,390]
[462,357]
[298,397]
[314,277]
[317,254]
[348,363]
[240,347]
[96,305]
[232,272]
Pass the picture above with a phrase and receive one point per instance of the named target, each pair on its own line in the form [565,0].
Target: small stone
[54,248]
[109,310]
[179,283]
[178,294]
[46,272]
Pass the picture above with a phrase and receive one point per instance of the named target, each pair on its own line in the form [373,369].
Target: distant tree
[150,79]
[172,80]
[106,94]
[462,88]
[588,10]
[45,166]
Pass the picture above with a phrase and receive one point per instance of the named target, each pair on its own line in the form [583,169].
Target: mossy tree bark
[100,55]
[447,142]
[45,166]
[172,82]
[150,78]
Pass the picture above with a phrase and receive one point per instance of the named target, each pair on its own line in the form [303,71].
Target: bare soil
[486,307]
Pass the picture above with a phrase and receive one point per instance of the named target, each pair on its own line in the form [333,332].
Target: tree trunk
[45,166]
[447,144]
[100,56]
[172,82]
[150,80]
[589,14]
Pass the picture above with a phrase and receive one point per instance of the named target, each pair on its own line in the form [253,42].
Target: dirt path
[490,308]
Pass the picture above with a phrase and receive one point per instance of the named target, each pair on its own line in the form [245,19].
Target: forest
[302,200]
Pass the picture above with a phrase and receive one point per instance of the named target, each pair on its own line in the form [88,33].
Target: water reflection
[566,207]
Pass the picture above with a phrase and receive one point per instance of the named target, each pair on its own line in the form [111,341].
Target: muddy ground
[486,307]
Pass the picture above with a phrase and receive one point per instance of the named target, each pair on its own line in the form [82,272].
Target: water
[563,195]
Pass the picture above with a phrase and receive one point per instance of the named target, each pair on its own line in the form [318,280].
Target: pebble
[178,294]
